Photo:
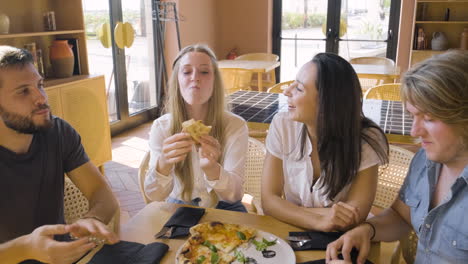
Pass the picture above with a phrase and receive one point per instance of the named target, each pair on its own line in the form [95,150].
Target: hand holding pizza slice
[195,129]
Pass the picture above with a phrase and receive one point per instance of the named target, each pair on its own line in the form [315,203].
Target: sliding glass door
[366,29]
[351,28]
[121,47]
[301,34]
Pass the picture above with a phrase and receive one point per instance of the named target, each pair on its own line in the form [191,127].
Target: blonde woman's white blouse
[283,142]
[229,185]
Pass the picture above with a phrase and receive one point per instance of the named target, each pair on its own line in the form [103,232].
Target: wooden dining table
[143,226]
[255,66]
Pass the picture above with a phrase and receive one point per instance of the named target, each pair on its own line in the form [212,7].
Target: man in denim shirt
[433,200]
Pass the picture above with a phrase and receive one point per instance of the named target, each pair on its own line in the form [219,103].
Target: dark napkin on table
[182,220]
[354,255]
[126,252]
[318,240]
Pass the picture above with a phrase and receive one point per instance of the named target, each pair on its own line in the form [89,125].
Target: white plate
[284,252]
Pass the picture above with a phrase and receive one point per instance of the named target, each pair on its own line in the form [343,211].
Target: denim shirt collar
[464,175]
[430,163]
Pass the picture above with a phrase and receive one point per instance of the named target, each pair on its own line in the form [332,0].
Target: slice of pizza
[225,237]
[194,251]
[195,129]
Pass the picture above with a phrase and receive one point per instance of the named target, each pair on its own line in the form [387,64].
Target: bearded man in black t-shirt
[36,149]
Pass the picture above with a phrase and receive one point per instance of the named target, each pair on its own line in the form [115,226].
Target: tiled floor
[128,150]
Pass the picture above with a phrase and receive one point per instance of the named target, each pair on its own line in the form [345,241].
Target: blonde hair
[175,105]
[439,87]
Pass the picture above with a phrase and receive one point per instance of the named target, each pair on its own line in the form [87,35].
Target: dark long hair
[340,123]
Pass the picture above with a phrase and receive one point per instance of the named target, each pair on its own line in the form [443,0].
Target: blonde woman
[210,174]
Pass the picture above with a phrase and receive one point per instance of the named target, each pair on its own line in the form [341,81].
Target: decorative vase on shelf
[4,24]
[62,59]
[464,39]
[439,41]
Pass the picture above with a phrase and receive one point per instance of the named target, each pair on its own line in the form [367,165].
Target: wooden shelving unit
[442,22]
[80,99]
[39,34]
[27,26]
[430,15]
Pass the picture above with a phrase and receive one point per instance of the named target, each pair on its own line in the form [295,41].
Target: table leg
[260,82]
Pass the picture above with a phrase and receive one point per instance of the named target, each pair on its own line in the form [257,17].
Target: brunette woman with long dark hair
[322,159]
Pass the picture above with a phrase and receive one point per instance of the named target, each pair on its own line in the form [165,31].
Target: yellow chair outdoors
[235,79]
[253,173]
[141,176]
[269,78]
[76,206]
[279,87]
[389,92]
[367,83]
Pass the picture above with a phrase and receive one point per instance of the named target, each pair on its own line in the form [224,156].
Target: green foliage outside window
[296,20]
[94,19]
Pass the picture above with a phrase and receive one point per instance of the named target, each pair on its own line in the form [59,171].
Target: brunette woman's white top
[283,142]
[229,186]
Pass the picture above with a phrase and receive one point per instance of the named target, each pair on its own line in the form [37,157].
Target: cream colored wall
[223,25]
[245,24]
[197,25]
[405,34]
[199,22]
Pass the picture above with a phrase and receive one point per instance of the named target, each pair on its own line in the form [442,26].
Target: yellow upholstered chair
[142,174]
[367,83]
[253,172]
[390,92]
[235,79]
[269,78]
[279,87]
[76,205]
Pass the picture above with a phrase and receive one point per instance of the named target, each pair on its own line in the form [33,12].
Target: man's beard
[25,124]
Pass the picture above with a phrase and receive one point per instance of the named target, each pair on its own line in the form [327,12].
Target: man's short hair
[11,57]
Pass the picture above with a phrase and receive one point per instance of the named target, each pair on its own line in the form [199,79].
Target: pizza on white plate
[213,242]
